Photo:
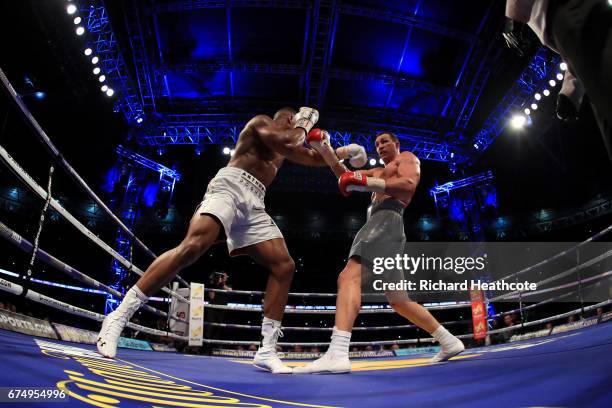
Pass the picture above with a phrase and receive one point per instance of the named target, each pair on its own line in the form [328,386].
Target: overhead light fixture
[110,92]
[96,70]
[71,9]
[102,78]
[80,31]
[518,121]
[95,60]
[552,83]
[563,66]
[538,97]
[546,92]
[77,20]
[88,51]
[372,162]
[527,111]
[104,88]
[226,150]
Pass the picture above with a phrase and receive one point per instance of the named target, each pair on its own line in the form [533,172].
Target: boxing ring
[559,368]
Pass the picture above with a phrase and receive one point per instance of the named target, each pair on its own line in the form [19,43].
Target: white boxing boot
[450,345]
[266,357]
[114,322]
[335,360]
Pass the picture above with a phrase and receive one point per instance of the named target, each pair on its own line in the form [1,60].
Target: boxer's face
[386,148]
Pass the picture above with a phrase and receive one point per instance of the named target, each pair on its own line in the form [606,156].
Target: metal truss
[226,66]
[105,47]
[144,77]
[323,23]
[397,80]
[184,130]
[540,69]
[475,73]
[406,19]
[446,188]
[145,162]
[188,5]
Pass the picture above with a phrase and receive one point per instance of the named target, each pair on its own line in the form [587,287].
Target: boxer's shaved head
[284,111]
[284,115]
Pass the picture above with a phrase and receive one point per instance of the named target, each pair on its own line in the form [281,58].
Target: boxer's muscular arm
[409,174]
[280,139]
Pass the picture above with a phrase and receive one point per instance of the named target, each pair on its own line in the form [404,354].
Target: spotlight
[538,97]
[610,3]
[552,83]
[560,76]
[226,150]
[104,88]
[110,92]
[518,121]
[452,155]
[80,31]
[381,161]
[372,162]
[102,78]
[534,106]
[71,9]
[527,111]
[95,60]
[88,51]
[563,66]
[96,70]
[232,152]
[476,146]
[40,95]
[139,120]
[546,92]
[161,151]
[198,150]
[77,20]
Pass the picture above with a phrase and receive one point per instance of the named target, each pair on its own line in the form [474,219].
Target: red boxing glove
[317,136]
[351,178]
[356,181]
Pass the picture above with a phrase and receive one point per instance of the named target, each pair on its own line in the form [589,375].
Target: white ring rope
[29,181]
[356,328]
[563,274]
[293,310]
[61,160]
[559,255]
[49,259]
[16,289]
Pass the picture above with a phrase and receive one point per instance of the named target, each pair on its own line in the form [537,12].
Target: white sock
[269,330]
[340,342]
[443,336]
[133,299]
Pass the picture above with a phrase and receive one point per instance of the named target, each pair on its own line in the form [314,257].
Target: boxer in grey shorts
[392,188]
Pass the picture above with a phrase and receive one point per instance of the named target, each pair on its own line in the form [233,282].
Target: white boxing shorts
[236,199]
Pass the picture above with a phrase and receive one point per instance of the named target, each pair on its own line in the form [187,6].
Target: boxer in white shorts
[233,211]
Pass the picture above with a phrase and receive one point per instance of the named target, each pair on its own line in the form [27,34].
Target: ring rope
[16,289]
[50,260]
[29,181]
[357,328]
[292,310]
[560,254]
[62,161]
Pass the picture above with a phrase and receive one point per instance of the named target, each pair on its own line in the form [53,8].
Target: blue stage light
[40,95]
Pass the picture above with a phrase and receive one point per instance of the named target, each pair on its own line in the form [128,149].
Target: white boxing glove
[306,118]
[355,153]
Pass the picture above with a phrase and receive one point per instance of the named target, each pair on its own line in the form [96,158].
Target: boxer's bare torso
[254,156]
[391,172]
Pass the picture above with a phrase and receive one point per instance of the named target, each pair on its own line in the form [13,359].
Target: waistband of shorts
[388,204]
[239,174]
